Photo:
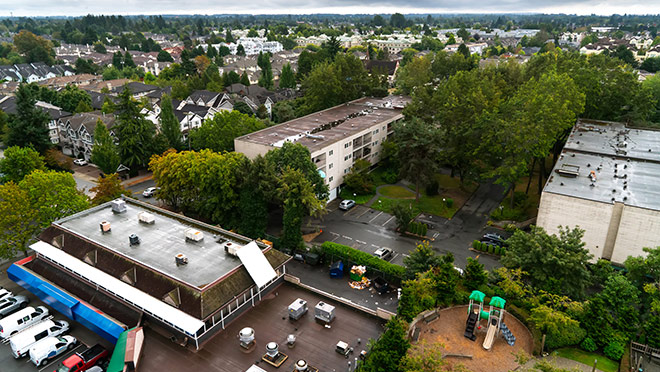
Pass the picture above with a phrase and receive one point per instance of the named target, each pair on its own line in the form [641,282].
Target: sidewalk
[137,179]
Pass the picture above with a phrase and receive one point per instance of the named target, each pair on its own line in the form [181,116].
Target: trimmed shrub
[449,202]
[497,250]
[425,229]
[354,256]
[483,247]
[490,249]
[390,176]
[613,350]
[476,244]
[588,344]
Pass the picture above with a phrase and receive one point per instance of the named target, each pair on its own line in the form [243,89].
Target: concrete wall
[626,233]
[639,228]
[251,149]
[591,216]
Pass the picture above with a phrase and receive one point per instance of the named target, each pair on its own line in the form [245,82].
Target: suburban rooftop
[624,170]
[160,242]
[320,129]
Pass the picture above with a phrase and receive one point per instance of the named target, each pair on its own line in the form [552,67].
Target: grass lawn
[396,192]
[359,199]
[585,357]
[427,204]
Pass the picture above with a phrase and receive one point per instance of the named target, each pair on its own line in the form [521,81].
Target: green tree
[240,50]
[266,77]
[52,195]
[135,133]
[164,56]
[117,61]
[243,108]
[34,48]
[424,357]
[105,153]
[626,55]
[462,49]
[445,280]
[254,199]
[17,225]
[475,275]
[18,162]
[219,132]
[404,214]
[108,188]
[358,179]
[397,20]
[283,111]
[297,156]
[386,353]
[299,199]
[245,79]
[560,329]
[28,128]
[100,48]
[557,264]
[421,260]
[169,124]
[414,74]
[418,152]
[287,77]
[417,295]
[128,60]
[71,96]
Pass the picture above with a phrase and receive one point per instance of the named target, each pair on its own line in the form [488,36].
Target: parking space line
[335,238]
[436,235]
[360,241]
[347,237]
[365,211]
[395,256]
[386,222]
[371,220]
[375,246]
[333,233]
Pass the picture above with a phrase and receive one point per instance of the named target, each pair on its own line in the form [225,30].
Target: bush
[588,344]
[490,249]
[354,256]
[476,244]
[613,350]
[57,161]
[390,176]
[497,250]
[425,229]
[432,188]
[483,247]
[449,202]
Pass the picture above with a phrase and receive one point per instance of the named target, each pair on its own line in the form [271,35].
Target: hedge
[354,256]
[418,228]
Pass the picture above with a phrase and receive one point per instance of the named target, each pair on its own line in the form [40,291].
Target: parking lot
[83,335]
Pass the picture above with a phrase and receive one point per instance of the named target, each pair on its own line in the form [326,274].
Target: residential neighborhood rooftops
[161,241]
[318,130]
[607,162]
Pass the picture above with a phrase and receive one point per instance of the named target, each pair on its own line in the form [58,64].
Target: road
[137,189]
[368,229]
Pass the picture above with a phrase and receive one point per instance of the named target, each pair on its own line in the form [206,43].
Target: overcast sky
[82,7]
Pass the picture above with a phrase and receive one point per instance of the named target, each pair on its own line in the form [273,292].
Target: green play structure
[493,316]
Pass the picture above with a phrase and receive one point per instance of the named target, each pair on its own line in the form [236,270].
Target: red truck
[84,360]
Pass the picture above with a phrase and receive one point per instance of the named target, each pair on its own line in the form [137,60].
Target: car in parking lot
[80,162]
[21,343]
[346,204]
[4,293]
[11,304]
[494,239]
[21,319]
[383,253]
[50,347]
[150,191]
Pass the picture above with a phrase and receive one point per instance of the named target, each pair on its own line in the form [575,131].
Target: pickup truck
[84,360]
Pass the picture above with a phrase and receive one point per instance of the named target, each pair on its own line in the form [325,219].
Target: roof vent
[232,248]
[568,170]
[181,259]
[194,235]
[118,206]
[146,217]
[133,240]
[105,227]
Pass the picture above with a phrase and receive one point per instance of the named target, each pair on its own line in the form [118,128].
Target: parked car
[80,162]
[84,360]
[21,343]
[4,293]
[383,253]
[346,204]
[494,238]
[16,322]
[50,347]
[11,304]
[150,191]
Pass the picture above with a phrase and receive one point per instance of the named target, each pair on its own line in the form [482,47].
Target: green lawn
[359,199]
[427,204]
[585,357]
[396,192]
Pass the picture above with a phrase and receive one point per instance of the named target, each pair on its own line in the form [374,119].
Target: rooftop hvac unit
[105,227]
[133,240]
[291,340]
[297,309]
[301,365]
[181,259]
[246,336]
[273,355]
[118,206]
[146,217]
[272,349]
[324,312]
[232,248]
[194,235]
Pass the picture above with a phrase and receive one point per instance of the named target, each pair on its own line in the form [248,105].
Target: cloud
[81,7]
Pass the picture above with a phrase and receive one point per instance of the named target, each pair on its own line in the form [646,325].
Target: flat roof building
[606,182]
[335,137]
[188,277]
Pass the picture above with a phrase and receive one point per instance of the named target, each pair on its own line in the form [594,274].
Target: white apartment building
[251,45]
[606,182]
[336,137]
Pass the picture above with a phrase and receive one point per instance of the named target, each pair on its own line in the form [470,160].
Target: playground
[482,336]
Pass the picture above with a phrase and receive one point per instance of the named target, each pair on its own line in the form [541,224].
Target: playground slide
[490,336]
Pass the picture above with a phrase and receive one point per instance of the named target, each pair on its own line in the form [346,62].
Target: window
[331,152]
[374,143]
[330,179]
[330,166]
[383,128]
[347,145]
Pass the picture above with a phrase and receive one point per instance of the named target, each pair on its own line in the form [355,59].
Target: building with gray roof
[606,182]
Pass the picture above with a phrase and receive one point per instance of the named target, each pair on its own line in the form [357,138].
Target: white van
[4,294]
[21,319]
[49,348]
[21,343]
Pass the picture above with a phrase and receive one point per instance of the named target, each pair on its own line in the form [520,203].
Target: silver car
[11,304]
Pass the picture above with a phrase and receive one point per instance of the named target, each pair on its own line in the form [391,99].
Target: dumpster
[337,270]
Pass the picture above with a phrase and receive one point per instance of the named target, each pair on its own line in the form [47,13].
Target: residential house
[8,105]
[388,67]
[77,132]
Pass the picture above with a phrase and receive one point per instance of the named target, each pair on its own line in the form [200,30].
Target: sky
[127,7]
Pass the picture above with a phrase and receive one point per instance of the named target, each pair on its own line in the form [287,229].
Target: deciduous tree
[419,149]
[18,162]
[219,132]
[108,188]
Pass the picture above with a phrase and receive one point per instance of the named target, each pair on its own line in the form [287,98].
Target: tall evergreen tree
[266,78]
[29,127]
[245,80]
[128,60]
[117,60]
[104,152]
[135,133]
[169,124]
[287,78]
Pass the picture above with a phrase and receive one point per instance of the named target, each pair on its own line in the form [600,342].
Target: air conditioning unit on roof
[146,217]
[194,235]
